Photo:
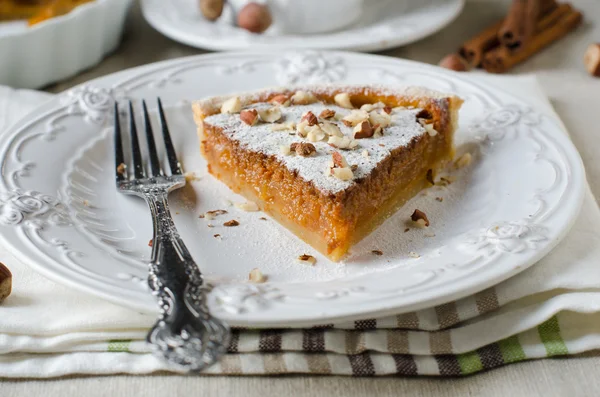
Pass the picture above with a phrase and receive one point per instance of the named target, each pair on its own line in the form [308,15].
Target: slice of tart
[330,163]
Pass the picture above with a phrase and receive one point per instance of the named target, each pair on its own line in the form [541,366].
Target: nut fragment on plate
[231,223]
[413,254]
[343,100]
[121,169]
[5,282]
[307,259]
[303,98]
[212,9]
[591,59]
[327,114]
[303,149]
[270,115]
[254,17]
[232,105]
[343,142]
[210,215]
[377,252]
[256,276]
[248,206]
[281,100]
[463,161]
[363,130]
[249,116]
[150,243]
[420,218]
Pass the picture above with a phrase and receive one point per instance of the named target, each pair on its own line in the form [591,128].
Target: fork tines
[154,169]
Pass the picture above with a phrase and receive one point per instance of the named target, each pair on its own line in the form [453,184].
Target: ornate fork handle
[185,333]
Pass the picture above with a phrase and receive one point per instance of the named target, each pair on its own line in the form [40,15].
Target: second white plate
[384,24]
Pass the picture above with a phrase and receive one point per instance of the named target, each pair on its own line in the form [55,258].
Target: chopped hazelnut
[249,116]
[363,130]
[256,276]
[343,100]
[413,254]
[289,126]
[377,252]
[307,259]
[355,117]
[209,215]
[121,169]
[331,129]
[303,98]
[310,118]
[270,115]
[338,160]
[231,223]
[232,105]
[365,153]
[380,117]
[343,142]
[327,114]
[285,150]
[303,149]
[150,243]
[5,282]
[420,218]
[281,100]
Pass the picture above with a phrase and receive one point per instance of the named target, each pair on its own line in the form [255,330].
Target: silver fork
[185,333]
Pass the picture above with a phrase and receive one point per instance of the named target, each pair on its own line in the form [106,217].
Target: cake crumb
[150,243]
[230,223]
[191,177]
[248,206]
[413,254]
[86,203]
[377,252]
[406,230]
[307,259]
[429,235]
[256,276]
[440,199]
[121,169]
[210,225]
[217,236]
[262,218]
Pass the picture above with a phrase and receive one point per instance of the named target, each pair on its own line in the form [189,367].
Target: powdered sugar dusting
[261,138]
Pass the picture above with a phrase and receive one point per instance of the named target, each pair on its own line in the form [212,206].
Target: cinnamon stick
[474,49]
[520,23]
[501,59]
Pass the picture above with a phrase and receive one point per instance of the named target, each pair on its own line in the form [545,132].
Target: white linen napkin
[553,308]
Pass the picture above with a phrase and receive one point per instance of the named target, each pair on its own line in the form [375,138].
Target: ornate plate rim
[448,292]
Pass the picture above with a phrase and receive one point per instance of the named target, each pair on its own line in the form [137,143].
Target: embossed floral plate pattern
[60,213]
[383,24]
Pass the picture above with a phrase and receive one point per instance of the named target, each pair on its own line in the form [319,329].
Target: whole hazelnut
[455,62]
[212,9]
[254,17]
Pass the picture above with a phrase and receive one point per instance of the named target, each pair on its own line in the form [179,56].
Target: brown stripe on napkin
[313,340]
[440,342]
[274,363]
[490,356]
[408,320]
[397,341]
[486,300]
[234,341]
[365,324]
[231,364]
[405,364]
[318,364]
[448,365]
[270,340]
[355,342]
[361,365]
[447,315]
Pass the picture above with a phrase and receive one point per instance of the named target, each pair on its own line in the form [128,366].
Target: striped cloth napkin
[551,309]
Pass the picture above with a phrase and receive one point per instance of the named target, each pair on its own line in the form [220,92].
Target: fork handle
[185,333]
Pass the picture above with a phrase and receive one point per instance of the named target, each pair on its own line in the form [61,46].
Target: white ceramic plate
[32,57]
[505,211]
[384,24]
